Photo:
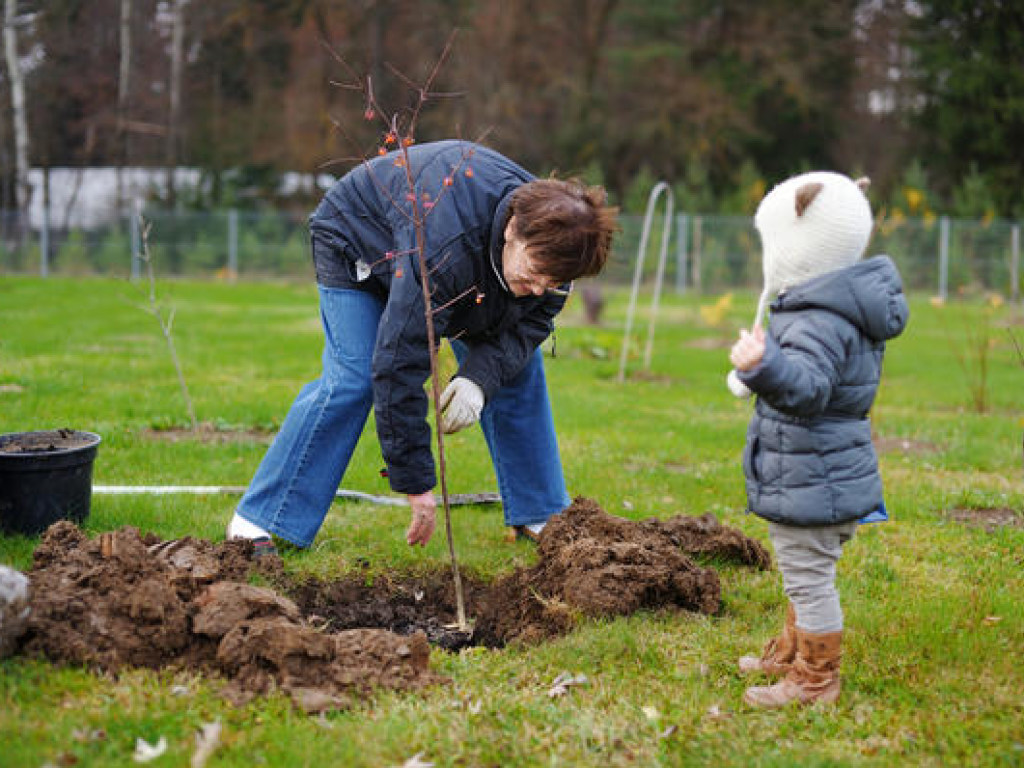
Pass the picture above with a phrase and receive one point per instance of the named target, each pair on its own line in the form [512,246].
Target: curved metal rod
[666,232]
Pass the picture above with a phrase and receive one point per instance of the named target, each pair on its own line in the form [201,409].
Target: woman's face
[517,267]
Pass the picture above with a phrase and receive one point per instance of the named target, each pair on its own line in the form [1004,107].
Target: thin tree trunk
[19,117]
[174,116]
[122,98]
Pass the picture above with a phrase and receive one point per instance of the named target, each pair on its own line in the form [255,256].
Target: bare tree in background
[174,112]
[19,117]
[123,80]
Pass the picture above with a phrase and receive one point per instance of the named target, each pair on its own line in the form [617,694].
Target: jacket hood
[869,294]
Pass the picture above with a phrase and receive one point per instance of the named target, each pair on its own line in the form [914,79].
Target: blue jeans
[296,482]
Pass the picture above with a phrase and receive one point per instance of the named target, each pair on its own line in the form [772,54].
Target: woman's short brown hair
[567,226]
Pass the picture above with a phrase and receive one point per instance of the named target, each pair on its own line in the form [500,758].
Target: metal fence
[708,254]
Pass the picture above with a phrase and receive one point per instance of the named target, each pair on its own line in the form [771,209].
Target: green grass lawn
[934,664]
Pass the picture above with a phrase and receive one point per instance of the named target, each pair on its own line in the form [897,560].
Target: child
[810,467]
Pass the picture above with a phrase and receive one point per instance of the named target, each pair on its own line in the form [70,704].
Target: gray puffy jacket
[809,459]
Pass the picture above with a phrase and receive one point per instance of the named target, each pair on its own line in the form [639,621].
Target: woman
[502,249]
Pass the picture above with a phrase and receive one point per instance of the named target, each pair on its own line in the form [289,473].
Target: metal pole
[682,254]
[44,239]
[1015,262]
[697,281]
[638,271]
[944,257]
[666,233]
[232,244]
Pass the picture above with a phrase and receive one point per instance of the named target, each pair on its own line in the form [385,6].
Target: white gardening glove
[461,403]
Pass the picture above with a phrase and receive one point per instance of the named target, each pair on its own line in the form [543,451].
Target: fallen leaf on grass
[561,684]
[650,713]
[144,751]
[992,619]
[415,762]
[207,741]
[715,713]
[668,732]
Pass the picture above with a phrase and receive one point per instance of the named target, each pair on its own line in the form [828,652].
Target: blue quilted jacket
[364,217]
[809,459]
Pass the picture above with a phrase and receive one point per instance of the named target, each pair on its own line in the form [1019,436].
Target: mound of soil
[596,564]
[123,599]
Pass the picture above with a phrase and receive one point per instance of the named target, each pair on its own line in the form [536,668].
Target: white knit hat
[810,224]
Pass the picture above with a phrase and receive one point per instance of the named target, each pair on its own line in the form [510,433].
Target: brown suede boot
[813,677]
[779,652]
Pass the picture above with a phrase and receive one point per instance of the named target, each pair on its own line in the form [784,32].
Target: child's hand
[748,351]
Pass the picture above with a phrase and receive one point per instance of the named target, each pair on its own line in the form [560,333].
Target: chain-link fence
[703,253]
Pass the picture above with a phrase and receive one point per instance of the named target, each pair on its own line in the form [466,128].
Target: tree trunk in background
[122,98]
[19,117]
[174,116]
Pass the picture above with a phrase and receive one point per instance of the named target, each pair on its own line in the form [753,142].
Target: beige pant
[807,558]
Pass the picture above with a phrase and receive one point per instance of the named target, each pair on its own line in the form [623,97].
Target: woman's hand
[424,512]
[747,353]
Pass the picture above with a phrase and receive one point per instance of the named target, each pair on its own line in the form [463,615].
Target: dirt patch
[399,603]
[210,433]
[991,519]
[123,599]
[905,446]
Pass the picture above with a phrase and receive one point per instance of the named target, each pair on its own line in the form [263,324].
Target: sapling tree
[398,134]
[165,319]
[972,354]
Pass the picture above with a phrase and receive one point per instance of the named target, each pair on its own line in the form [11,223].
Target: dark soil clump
[126,600]
[401,604]
[123,600]
[595,564]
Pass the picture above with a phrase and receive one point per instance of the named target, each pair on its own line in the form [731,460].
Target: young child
[810,467]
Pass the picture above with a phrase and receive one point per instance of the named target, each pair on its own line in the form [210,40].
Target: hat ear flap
[805,196]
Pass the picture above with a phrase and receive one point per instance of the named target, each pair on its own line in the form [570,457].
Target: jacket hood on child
[868,294]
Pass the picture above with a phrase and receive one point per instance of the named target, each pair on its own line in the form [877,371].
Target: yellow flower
[714,314]
[914,198]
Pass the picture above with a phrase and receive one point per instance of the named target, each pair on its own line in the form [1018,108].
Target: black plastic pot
[45,477]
